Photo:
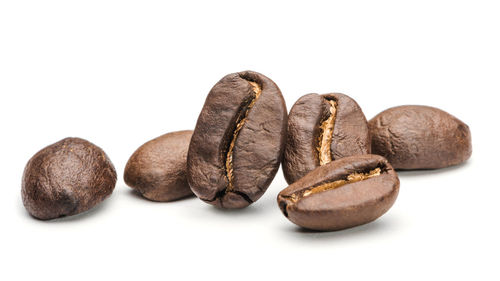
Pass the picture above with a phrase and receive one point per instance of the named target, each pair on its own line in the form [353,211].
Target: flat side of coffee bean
[158,168]
[344,193]
[420,137]
[238,141]
[321,129]
[67,178]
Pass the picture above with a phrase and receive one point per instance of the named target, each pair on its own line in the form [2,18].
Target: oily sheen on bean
[420,137]
[344,193]
[238,141]
[157,169]
[321,129]
[66,178]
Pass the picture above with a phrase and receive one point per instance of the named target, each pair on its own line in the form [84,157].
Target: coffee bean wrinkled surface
[238,141]
[67,178]
[157,169]
[420,137]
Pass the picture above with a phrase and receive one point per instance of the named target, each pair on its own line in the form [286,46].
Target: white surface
[119,73]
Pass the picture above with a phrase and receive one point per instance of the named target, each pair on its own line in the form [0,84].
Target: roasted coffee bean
[341,194]
[157,169]
[238,141]
[67,178]
[323,128]
[420,137]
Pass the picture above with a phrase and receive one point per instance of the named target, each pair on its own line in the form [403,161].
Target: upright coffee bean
[420,137]
[341,194]
[323,128]
[157,169]
[238,141]
[67,178]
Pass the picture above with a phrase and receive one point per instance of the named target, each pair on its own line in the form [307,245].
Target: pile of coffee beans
[242,135]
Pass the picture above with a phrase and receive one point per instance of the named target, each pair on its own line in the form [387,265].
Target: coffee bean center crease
[240,122]
[351,178]
[326,135]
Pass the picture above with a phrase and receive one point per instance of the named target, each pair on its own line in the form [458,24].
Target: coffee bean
[238,141]
[321,129]
[420,137]
[341,194]
[157,169]
[67,178]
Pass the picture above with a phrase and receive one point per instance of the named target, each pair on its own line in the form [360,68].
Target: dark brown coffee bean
[323,128]
[341,194]
[420,137]
[238,142]
[157,169]
[67,178]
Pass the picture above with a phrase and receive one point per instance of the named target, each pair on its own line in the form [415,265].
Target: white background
[120,73]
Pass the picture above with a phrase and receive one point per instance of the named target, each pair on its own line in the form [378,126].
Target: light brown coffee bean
[157,169]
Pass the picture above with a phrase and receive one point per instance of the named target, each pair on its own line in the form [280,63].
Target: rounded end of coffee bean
[157,169]
[66,178]
[420,137]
